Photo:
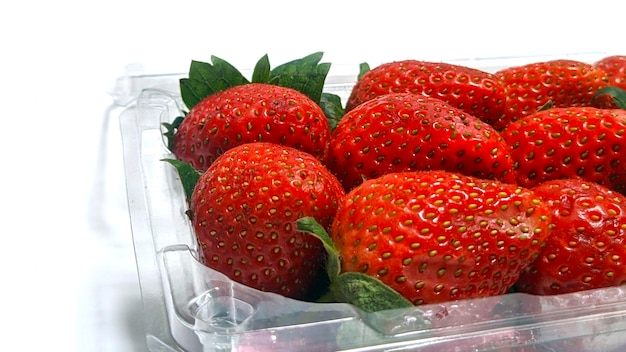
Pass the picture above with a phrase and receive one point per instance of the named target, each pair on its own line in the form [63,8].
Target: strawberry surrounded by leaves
[587,247]
[476,92]
[281,105]
[249,157]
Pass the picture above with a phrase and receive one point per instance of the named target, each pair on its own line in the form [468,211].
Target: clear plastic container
[189,307]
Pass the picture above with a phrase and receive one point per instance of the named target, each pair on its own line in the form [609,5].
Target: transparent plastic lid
[189,307]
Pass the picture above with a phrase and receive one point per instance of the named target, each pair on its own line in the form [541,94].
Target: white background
[67,268]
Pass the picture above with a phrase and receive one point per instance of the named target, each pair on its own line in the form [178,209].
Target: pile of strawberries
[434,182]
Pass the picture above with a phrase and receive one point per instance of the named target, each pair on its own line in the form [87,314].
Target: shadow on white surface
[110,308]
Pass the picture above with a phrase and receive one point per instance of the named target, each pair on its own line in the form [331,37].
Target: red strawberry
[473,91]
[580,142]
[587,248]
[254,112]
[564,83]
[244,210]
[615,69]
[435,236]
[405,132]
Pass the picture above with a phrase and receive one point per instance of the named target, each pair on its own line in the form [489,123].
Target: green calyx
[547,106]
[364,68]
[208,78]
[307,75]
[187,174]
[361,290]
[618,95]
[170,130]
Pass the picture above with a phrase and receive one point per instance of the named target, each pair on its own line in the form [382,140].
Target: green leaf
[170,131]
[262,69]
[618,95]
[364,67]
[306,75]
[331,105]
[546,106]
[367,293]
[188,175]
[361,290]
[206,79]
[352,333]
[311,226]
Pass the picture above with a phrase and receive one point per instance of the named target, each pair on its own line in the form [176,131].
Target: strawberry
[615,69]
[405,132]
[474,91]
[283,105]
[562,83]
[583,142]
[244,210]
[586,249]
[247,113]
[437,236]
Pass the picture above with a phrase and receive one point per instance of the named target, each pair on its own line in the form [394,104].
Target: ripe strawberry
[254,112]
[474,91]
[580,142]
[405,132]
[436,236]
[244,210]
[615,69]
[564,83]
[586,248]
